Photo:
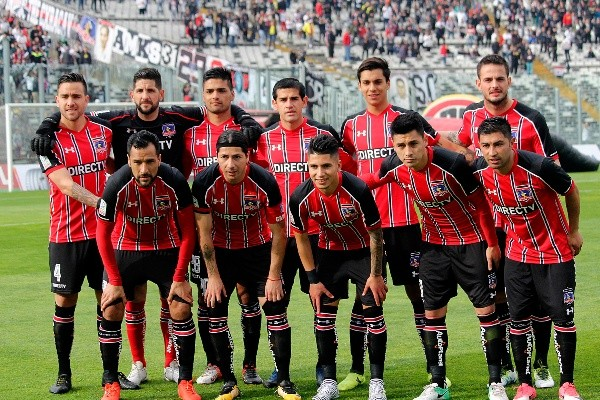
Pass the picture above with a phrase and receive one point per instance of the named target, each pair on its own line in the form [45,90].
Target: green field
[29,362]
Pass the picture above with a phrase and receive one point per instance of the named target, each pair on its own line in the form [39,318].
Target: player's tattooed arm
[215,290]
[63,180]
[376,237]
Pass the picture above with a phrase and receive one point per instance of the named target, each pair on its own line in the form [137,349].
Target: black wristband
[98,202]
[312,276]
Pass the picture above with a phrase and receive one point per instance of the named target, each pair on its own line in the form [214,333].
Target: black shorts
[292,263]
[336,267]
[552,285]
[71,263]
[139,267]
[500,269]
[248,267]
[402,247]
[445,267]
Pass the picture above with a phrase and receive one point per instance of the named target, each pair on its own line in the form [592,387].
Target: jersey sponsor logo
[439,188]
[316,214]
[102,208]
[348,212]
[219,201]
[515,210]
[69,150]
[280,218]
[338,224]
[491,192]
[276,147]
[132,204]
[374,153]
[199,142]
[86,168]
[250,203]
[145,220]
[131,130]
[568,296]
[234,217]
[162,202]
[168,130]
[205,161]
[524,194]
[434,204]
[99,145]
[165,143]
[290,167]
[361,133]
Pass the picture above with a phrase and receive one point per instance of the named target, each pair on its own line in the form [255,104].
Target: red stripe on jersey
[145,217]
[528,128]
[201,142]
[283,153]
[536,228]
[366,136]
[84,155]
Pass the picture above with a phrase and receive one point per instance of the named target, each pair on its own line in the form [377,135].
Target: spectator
[347,42]
[529,57]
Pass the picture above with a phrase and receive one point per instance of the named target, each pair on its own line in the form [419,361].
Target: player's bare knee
[114,311]
[66,299]
[180,309]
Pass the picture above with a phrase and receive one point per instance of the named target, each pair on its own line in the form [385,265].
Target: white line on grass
[23,223]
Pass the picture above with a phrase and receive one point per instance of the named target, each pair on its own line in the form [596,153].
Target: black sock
[504,320]
[222,341]
[280,338]
[376,339]
[326,337]
[491,338]
[251,322]
[207,345]
[184,336]
[542,330]
[521,339]
[565,339]
[98,316]
[436,344]
[358,332]
[110,339]
[419,315]
[63,324]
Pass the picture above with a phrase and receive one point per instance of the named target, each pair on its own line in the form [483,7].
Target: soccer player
[282,150]
[366,137]
[531,133]
[350,247]
[76,170]
[240,223]
[458,237]
[200,152]
[524,189]
[146,232]
[169,125]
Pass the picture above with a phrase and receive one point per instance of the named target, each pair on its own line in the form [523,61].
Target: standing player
[531,133]
[523,188]
[350,247]
[365,135]
[240,223]
[139,240]
[200,152]
[282,150]
[76,170]
[457,223]
[169,125]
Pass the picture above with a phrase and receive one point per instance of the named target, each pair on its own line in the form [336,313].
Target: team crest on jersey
[168,130]
[524,194]
[99,145]
[348,211]
[306,142]
[514,131]
[568,296]
[439,188]
[250,204]
[162,202]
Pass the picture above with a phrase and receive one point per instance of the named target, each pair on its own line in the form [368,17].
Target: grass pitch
[28,357]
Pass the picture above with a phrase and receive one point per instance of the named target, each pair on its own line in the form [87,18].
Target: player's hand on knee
[112,295]
[182,291]
[215,292]
[274,290]
[316,291]
[378,287]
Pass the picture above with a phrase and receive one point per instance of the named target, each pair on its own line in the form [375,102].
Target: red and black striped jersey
[144,217]
[527,125]
[84,155]
[367,137]
[343,217]
[527,201]
[283,153]
[441,190]
[200,144]
[242,212]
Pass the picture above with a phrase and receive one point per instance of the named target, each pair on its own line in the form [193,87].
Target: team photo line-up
[336,207]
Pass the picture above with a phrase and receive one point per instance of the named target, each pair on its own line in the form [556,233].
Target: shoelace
[377,386]
[497,389]
[289,388]
[209,371]
[111,388]
[188,386]
[543,373]
[250,372]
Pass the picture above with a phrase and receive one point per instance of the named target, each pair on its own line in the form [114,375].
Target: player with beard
[146,233]
[169,125]
[541,243]
[531,133]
